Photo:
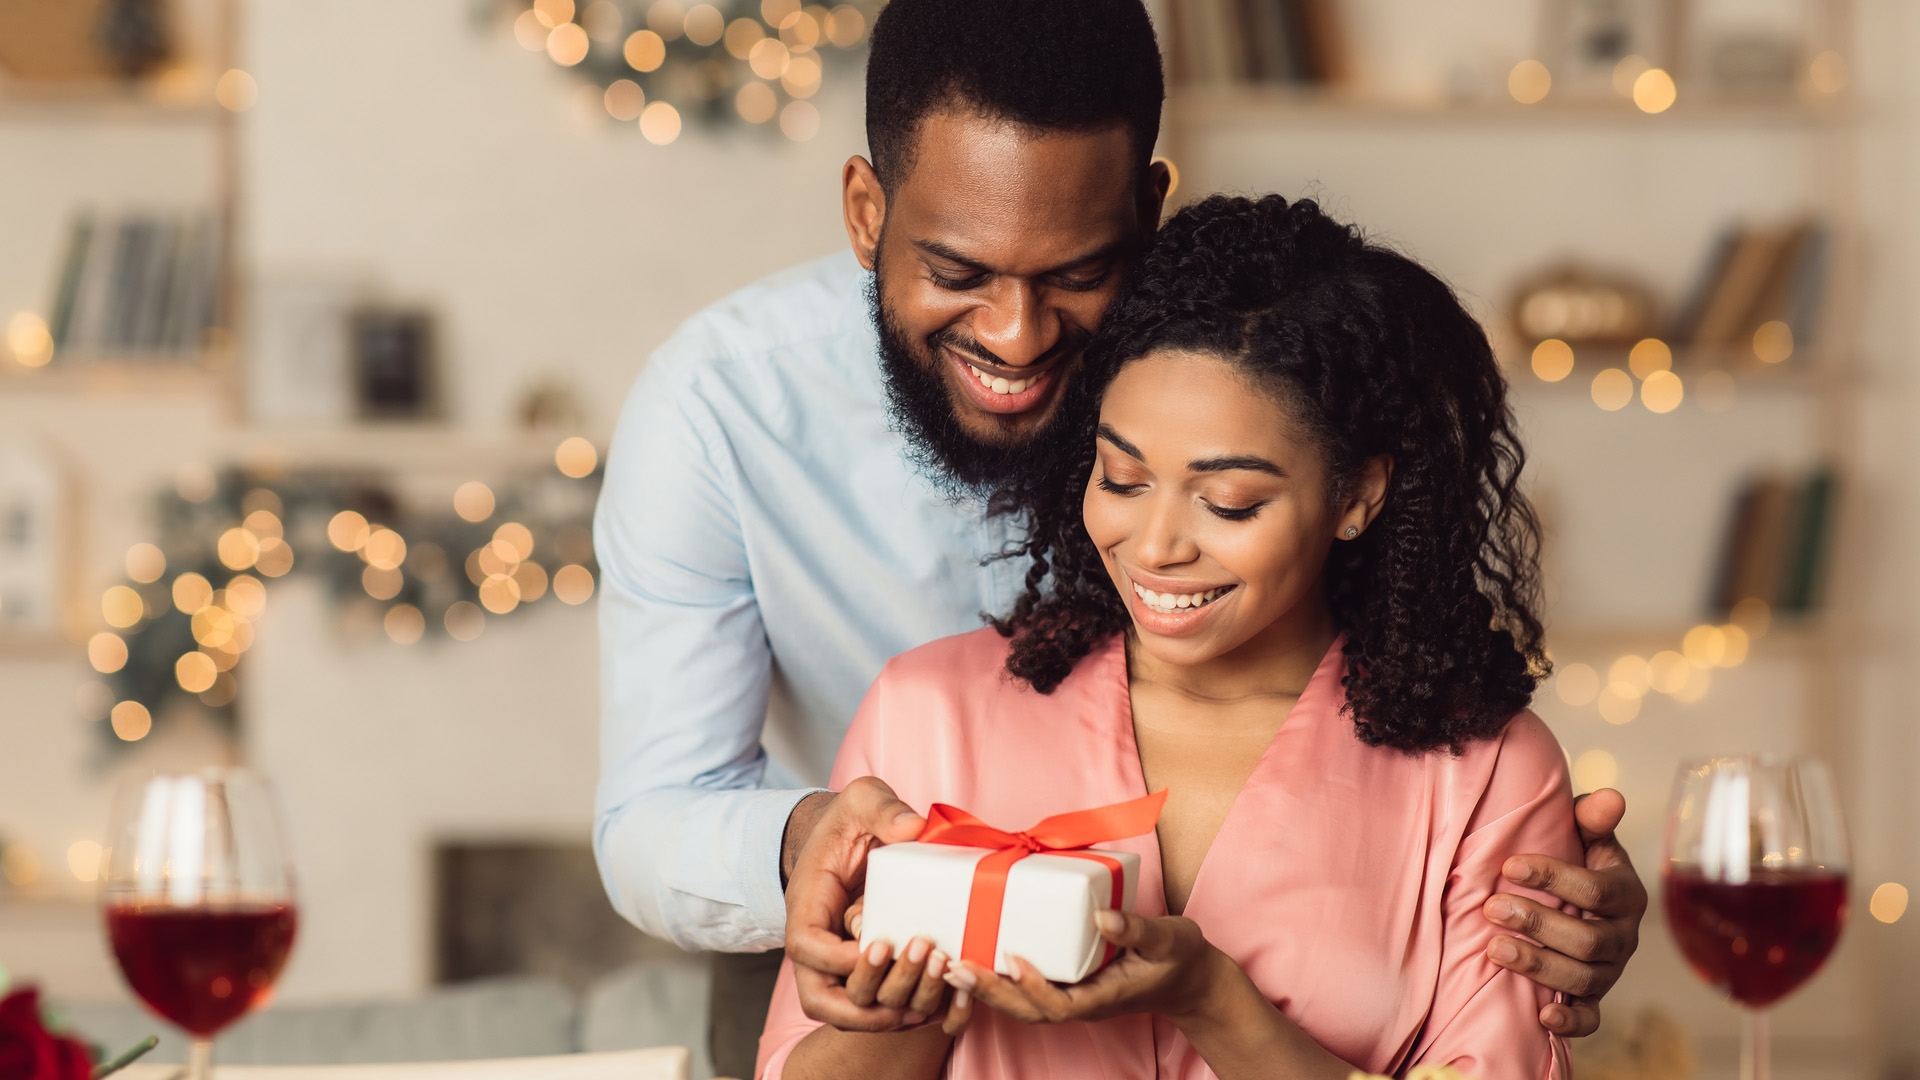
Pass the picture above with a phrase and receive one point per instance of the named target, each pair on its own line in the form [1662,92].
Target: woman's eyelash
[1117,489]
[1236,513]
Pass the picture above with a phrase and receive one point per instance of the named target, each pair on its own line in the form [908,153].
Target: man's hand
[1584,954]
[829,869]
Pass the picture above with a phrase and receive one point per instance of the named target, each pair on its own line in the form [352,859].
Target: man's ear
[1162,180]
[864,205]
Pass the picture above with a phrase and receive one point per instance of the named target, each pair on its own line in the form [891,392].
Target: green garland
[247,529]
[684,64]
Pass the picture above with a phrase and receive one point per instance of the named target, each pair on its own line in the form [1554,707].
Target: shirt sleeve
[687,835]
[787,1023]
[1485,1019]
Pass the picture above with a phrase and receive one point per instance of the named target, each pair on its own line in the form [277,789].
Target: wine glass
[198,897]
[1755,882]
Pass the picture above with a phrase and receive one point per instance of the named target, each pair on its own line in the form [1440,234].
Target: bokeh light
[1617,708]
[348,530]
[191,592]
[473,501]
[1773,342]
[130,721]
[1889,902]
[1704,646]
[624,99]
[464,620]
[704,24]
[567,45]
[29,340]
[768,58]
[1662,392]
[513,541]
[1667,671]
[384,549]
[756,102]
[1647,356]
[246,596]
[1576,684]
[1612,389]
[799,121]
[1654,91]
[1752,615]
[236,91]
[404,624]
[846,26]
[660,123]
[576,457]
[276,558]
[644,50]
[742,35]
[668,18]
[122,607]
[382,583]
[195,672]
[1552,360]
[1529,82]
[1827,73]
[83,860]
[1626,71]
[107,652]
[531,31]
[499,594]
[573,584]
[531,577]
[145,563]
[238,549]
[802,77]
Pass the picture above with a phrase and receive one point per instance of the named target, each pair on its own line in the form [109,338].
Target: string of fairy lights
[180,625]
[1649,375]
[660,65]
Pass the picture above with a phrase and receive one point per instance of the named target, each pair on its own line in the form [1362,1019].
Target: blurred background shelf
[1238,106]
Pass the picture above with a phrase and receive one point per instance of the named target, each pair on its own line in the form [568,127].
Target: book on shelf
[1776,543]
[1755,274]
[1241,42]
[137,284]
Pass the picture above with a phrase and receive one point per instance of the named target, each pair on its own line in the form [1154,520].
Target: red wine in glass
[201,968]
[198,898]
[1760,939]
[1755,881]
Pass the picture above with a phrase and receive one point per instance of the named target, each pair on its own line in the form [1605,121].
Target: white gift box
[1046,916]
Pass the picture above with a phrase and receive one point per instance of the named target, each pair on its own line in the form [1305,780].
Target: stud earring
[1352,531]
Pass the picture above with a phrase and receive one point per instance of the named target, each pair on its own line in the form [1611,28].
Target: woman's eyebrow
[1244,461]
[1112,436]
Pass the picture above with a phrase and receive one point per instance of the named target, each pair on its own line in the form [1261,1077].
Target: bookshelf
[1647,191]
[182,105]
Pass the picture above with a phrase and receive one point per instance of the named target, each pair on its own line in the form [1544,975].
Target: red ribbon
[1061,834]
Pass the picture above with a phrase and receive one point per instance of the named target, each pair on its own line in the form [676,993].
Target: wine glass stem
[1756,1056]
[200,1060]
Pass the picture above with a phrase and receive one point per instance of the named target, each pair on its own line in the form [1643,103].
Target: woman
[1287,575]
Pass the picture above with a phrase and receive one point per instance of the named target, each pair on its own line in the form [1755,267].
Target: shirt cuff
[760,856]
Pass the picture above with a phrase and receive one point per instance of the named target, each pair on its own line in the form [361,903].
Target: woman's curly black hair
[1370,354]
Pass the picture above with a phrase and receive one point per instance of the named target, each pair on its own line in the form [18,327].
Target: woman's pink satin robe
[1346,879]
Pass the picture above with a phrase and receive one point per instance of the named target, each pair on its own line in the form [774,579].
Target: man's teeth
[1166,603]
[999,385]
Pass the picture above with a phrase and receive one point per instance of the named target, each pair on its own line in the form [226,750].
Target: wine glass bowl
[198,897]
[1754,884]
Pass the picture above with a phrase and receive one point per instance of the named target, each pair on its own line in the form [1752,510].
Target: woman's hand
[910,981]
[1168,967]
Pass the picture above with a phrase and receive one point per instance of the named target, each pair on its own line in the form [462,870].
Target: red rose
[28,1051]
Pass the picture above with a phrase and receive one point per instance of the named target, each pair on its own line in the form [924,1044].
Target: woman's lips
[998,395]
[1163,612]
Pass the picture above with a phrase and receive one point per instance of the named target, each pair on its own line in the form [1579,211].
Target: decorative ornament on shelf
[180,625]
[661,64]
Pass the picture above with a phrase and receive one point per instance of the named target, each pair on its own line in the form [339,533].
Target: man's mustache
[1071,341]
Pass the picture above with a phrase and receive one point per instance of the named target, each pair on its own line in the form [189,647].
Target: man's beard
[921,407]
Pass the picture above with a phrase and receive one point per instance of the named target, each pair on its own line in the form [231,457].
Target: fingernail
[878,953]
[855,923]
[962,997]
[1109,921]
[1499,909]
[961,979]
[1556,1017]
[913,1018]
[917,950]
[937,962]
[1515,870]
[1503,951]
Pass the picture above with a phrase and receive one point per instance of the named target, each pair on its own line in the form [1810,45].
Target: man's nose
[1016,325]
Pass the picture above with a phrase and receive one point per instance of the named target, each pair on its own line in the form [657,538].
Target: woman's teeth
[999,385]
[1167,603]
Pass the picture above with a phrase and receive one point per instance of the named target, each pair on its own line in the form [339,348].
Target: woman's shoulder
[1522,766]
[970,655]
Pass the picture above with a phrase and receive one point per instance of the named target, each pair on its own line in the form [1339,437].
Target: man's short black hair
[1060,65]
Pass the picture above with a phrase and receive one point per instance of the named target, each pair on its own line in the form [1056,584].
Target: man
[795,494]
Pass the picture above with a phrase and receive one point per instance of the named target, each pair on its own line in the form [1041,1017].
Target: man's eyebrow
[1112,436]
[1240,461]
[1105,252]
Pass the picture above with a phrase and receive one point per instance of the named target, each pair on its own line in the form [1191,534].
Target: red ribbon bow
[1061,834]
